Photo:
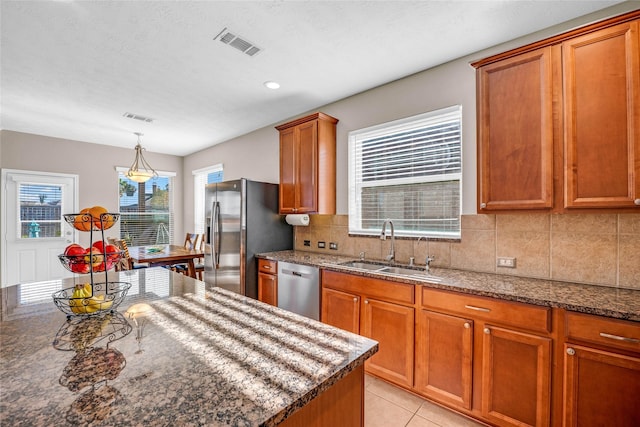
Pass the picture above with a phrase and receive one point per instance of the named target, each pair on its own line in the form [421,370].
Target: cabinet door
[601,118]
[516,374]
[515,133]
[444,357]
[307,185]
[341,309]
[392,325]
[288,174]
[600,388]
[268,288]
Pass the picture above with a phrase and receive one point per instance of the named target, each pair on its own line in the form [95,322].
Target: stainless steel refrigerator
[242,220]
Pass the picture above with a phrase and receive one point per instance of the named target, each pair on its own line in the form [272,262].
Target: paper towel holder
[297,219]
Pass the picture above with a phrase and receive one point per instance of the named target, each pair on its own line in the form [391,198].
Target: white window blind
[202,177]
[146,209]
[40,210]
[409,171]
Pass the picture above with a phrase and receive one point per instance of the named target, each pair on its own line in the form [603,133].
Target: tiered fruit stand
[98,297]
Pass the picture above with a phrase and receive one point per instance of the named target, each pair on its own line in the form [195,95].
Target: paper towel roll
[302,219]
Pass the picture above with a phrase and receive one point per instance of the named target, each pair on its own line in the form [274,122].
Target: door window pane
[40,211]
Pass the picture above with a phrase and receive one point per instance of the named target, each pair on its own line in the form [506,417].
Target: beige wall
[602,249]
[93,163]
[255,156]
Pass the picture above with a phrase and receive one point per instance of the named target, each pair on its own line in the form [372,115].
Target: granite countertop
[598,300]
[200,356]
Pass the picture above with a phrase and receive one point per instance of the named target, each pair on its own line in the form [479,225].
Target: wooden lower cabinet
[601,388]
[380,310]
[341,309]
[444,358]
[392,325]
[268,281]
[516,377]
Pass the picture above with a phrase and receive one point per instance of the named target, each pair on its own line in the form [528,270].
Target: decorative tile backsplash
[600,249]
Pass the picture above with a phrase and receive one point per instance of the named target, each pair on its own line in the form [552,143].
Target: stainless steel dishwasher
[299,289]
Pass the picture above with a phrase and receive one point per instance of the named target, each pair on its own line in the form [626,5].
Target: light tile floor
[389,406]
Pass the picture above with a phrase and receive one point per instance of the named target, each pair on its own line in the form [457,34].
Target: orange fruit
[107,220]
[82,221]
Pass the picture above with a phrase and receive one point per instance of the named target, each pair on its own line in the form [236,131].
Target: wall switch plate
[508,262]
[321,245]
[307,242]
[333,246]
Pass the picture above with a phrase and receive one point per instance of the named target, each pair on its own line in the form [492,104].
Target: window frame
[121,173]
[355,208]
[199,195]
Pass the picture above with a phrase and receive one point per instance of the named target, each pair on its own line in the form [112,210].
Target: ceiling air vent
[234,40]
[138,117]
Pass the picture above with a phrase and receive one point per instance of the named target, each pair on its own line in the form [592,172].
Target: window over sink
[409,171]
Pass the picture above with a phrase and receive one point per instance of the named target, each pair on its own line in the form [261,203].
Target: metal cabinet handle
[483,205]
[267,267]
[366,301]
[637,202]
[487,331]
[355,299]
[619,338]
[467,325]
[473,307]
[571,351]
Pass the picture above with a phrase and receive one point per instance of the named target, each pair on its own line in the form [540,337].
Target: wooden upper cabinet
[515,133]
[559,122]
[602,118]
[308,165]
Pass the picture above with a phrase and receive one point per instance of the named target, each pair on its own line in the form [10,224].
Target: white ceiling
[71,69]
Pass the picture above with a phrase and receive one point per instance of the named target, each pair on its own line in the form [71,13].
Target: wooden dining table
[159,255]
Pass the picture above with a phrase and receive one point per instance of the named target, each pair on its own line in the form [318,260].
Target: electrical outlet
[508,262]
[321,245]
[307,242]
[333,246]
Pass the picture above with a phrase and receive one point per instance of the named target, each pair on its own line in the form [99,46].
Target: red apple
[74,249]
[99,245]
[112,252]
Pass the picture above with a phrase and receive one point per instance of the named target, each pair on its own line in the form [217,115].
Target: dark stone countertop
[206,357]
[598,300]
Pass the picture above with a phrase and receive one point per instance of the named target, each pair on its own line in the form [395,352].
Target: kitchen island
[176,352]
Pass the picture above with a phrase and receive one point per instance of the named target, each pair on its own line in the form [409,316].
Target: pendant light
[140,170]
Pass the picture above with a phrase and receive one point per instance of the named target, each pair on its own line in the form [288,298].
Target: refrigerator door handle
[217,236]
[213,223]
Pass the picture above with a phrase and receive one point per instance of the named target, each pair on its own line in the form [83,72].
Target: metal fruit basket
[87,222]
[105,297]
[82,333]
[95,261]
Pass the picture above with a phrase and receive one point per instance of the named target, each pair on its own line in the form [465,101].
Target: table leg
[192,268]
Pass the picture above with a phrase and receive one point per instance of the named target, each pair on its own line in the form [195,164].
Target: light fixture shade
[140,170]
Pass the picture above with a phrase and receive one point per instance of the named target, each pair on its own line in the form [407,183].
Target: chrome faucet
[429,258]
[383,236]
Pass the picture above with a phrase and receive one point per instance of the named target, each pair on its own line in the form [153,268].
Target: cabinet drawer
[521,315]
[609,332]
[268,266]
[374,288]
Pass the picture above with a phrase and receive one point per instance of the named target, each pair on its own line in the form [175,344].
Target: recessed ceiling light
[272,85]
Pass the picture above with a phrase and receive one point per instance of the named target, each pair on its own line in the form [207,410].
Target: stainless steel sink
[392,270]
[363,265]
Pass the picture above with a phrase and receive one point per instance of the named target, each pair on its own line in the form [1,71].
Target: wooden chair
[126,263]
[199,266]
[191,241]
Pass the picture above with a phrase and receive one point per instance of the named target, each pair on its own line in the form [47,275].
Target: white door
[34,231]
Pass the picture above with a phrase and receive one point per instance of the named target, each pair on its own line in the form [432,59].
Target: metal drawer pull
[355,299]
[487,331]
[467,325]
[268,267]
[571,351]
[619,338]
[366,301]
[473,307]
